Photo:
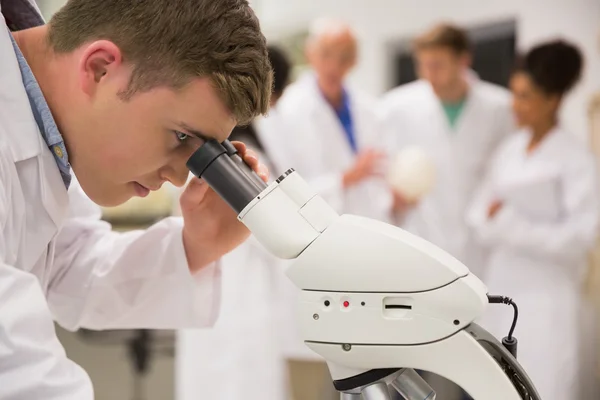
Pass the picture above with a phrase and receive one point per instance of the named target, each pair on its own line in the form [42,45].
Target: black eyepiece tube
[233,180]
[233,154]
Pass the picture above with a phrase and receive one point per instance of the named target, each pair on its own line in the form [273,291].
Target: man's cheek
[118,164]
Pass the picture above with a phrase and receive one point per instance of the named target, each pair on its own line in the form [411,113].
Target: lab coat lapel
[52,187]
[366,129]
[435,118]
[445,195]
[330,130]
[471,140]
[468,116]
[23,135]
[439,135]
[469,125]
[468,131]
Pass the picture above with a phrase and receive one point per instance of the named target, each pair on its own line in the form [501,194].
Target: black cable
[508,301]
[509,342]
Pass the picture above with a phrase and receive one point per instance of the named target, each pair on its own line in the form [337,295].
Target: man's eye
[181,136]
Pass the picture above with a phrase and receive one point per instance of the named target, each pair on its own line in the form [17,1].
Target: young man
[459,121]
[120,94]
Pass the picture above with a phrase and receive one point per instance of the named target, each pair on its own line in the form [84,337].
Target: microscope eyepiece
[226,173]
[204,156]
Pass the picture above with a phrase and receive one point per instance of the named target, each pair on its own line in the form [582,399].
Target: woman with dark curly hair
[537,212]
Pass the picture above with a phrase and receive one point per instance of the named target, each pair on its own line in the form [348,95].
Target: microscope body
[375,297]
[376,300]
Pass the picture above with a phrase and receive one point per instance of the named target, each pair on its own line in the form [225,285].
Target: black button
[327,303]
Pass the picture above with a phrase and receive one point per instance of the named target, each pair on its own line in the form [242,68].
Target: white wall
[379,21]
[49,7]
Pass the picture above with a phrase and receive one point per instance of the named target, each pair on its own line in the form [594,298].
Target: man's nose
[177,171]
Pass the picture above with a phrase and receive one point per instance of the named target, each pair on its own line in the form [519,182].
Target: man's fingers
[263,172]
[376,155]
[241,147]
[193,193]
[251,159]
[371,158]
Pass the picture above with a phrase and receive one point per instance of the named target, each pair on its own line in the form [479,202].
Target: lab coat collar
[547,141]
[310,79]
[472,77]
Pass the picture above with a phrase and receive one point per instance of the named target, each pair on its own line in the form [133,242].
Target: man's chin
[104,199]
[104,195]
[111,202]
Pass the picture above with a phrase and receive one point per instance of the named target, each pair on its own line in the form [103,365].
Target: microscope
[376,302]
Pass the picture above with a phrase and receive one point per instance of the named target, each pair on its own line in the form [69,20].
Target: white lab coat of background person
[244,355]
[539,240]
[413,116]
[317,147]
[59,261]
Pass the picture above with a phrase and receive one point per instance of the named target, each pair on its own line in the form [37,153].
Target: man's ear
[466,60]
[354,56]
[100,60]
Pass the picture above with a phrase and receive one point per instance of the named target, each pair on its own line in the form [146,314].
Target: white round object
[412,173]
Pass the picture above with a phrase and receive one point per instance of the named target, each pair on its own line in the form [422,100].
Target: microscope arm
[375,301]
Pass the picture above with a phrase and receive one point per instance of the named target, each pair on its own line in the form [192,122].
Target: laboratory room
[299,200]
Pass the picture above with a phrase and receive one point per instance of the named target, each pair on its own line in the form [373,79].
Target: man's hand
[495,207]
[211,228]
[401,204]
[365,166]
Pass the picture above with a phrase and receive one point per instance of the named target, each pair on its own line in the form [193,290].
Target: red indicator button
[346,304]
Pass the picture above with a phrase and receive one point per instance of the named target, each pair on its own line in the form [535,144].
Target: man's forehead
[437,52]
[335,41]
[202,111]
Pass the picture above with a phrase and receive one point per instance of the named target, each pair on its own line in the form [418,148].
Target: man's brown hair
[171,42]
[445,36]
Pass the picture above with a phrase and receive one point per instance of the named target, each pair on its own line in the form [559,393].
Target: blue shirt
[345,117]
[43,116]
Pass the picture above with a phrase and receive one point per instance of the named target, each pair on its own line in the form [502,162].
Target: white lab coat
[317,147]
[257,329]
[538,255]
[241,356]
[58,261]
[413,116]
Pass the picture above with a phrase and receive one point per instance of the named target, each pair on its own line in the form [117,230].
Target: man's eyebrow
[194,132]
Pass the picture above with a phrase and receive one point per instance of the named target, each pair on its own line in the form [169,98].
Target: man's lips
[141,190]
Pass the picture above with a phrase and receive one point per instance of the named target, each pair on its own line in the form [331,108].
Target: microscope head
[285,216]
